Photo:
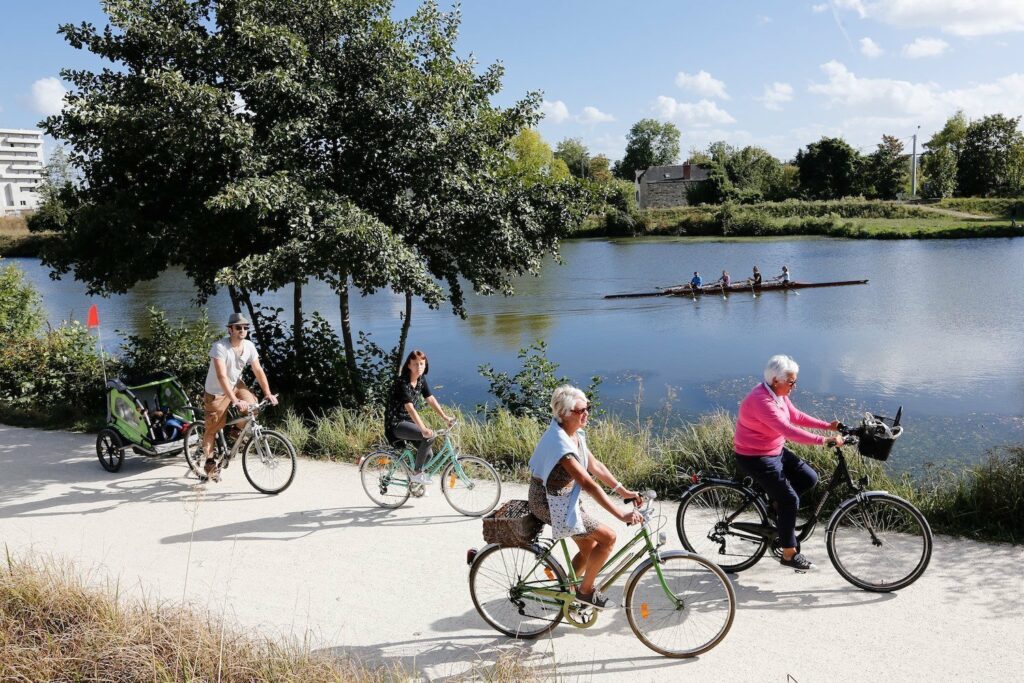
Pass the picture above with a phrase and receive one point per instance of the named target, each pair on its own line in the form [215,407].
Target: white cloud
[818,9]
[703,113]
[775,94]
[922,102]
[558,112]
[702,83]
[870,48]
[957,17]
[48,96]
[925,47]
[594,115]
[555,112]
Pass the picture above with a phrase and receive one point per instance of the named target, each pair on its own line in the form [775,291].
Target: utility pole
[913,167]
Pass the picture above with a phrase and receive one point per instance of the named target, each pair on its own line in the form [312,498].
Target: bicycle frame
[436,463]
[252,429]
[840,476]
[622,561]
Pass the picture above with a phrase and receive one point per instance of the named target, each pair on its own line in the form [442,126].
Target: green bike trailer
[148,414]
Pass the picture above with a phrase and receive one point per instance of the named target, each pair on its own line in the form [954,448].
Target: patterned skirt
[539,506]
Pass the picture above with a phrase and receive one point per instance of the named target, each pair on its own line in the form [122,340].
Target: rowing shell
[686,290]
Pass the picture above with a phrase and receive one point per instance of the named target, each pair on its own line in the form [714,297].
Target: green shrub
[20,315]
[182,349]
[1002,208]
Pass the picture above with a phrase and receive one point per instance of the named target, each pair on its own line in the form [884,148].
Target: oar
[752,290]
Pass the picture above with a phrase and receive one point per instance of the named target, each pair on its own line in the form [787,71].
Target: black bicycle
[876,540]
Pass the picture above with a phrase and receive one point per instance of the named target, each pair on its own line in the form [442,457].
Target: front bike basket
[876,438]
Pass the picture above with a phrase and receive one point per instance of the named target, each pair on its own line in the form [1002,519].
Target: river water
[938,329]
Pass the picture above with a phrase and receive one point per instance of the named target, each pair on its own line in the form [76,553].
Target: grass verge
[16,240]
[53,627]
[985,502]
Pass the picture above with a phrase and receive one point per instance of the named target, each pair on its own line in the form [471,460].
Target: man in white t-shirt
[224,387]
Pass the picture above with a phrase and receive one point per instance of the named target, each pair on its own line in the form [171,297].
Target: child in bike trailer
[767,419]
[224,387]
[403,423]
[562,466]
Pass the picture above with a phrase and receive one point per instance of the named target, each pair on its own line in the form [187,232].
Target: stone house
[661,187]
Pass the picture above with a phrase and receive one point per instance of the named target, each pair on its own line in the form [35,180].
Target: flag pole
[94,321]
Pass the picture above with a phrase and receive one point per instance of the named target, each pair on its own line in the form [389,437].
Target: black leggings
[785,477]
[408,431]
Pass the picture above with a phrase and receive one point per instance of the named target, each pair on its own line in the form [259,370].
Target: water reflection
[917,334]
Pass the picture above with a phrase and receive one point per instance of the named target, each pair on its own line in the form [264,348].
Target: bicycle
[268,457]
[876,540]
[677,603]
[469,484]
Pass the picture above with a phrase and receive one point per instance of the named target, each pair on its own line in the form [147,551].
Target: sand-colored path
[319,561]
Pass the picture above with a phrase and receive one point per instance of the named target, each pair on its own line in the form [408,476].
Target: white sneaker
[421,478]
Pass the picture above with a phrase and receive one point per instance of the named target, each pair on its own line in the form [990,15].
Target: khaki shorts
[215,407]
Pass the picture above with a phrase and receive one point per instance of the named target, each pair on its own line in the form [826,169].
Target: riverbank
[321,566]
[17,241]
[852,219]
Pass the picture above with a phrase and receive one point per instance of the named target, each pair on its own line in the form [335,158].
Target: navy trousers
[784,477]
[408,431]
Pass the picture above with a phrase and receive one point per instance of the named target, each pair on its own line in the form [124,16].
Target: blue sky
[776,73]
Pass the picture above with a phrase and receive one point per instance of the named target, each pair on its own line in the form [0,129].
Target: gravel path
[320,562]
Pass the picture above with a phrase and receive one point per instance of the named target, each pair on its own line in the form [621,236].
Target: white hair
[779,367]
[564,400]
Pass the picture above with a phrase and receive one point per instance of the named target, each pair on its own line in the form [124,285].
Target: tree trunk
[355,380]
[297,319]
[265,360]
[236,302]
[406,322]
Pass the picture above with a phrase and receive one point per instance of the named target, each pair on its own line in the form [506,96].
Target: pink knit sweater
[764,426]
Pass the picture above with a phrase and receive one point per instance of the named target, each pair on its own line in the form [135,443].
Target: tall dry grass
[53,627]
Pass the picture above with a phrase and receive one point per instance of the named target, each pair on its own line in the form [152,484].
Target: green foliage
[939,169]
[985,167]
[528,392]
[885,170]
[531,158]
[20,315]
[575,155]
[991,206]
[648,143]
[951,136]
[599,169]
[747,176]
[829,169]
[182,349]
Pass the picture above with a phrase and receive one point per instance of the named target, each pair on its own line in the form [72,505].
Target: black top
[757,279]
[404,392]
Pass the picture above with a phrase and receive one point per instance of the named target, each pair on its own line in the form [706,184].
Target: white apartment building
[21,170]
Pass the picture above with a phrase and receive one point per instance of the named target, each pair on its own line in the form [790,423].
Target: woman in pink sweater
[768,419]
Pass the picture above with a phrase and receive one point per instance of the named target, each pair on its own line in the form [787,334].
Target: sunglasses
[580,411]
[791,382]
[240,327]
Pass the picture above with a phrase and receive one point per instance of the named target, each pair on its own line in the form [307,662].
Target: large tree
[648,143]
[984,167]
[259,143]
[938,167]
[575,155]
[828,169]
[886,169]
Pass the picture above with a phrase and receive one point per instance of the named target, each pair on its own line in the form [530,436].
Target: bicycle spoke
[471,485]
[704,528]
[501,584]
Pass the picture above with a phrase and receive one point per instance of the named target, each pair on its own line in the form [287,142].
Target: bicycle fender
[846,504]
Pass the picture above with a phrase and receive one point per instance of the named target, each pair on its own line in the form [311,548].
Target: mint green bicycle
[677,603]
[469,484]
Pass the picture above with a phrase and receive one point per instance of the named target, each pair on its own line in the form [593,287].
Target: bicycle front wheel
[385,479]
[879,542]
[471,485]
[705,521]
[685,609]
[502,583]
[269,462]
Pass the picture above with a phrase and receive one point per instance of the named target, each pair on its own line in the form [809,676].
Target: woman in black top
[402,422]
[756,280]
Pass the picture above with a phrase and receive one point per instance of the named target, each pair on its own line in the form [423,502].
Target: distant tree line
[981,158]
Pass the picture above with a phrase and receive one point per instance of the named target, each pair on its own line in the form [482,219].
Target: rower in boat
[756,279]
[723,281]
[784,277]
[696,281]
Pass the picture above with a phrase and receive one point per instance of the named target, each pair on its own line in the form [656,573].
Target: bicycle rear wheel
[269,462]
[385,478]
[193,449]
[685,615]
[704,525]
[471,485]
[879,542]
[501,583]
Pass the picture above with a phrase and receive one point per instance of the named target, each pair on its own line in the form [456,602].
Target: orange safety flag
[94,317]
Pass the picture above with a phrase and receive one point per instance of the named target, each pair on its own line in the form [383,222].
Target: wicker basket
[512,525]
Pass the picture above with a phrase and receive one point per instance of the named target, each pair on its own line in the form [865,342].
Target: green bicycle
[469,484]
[677,603]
